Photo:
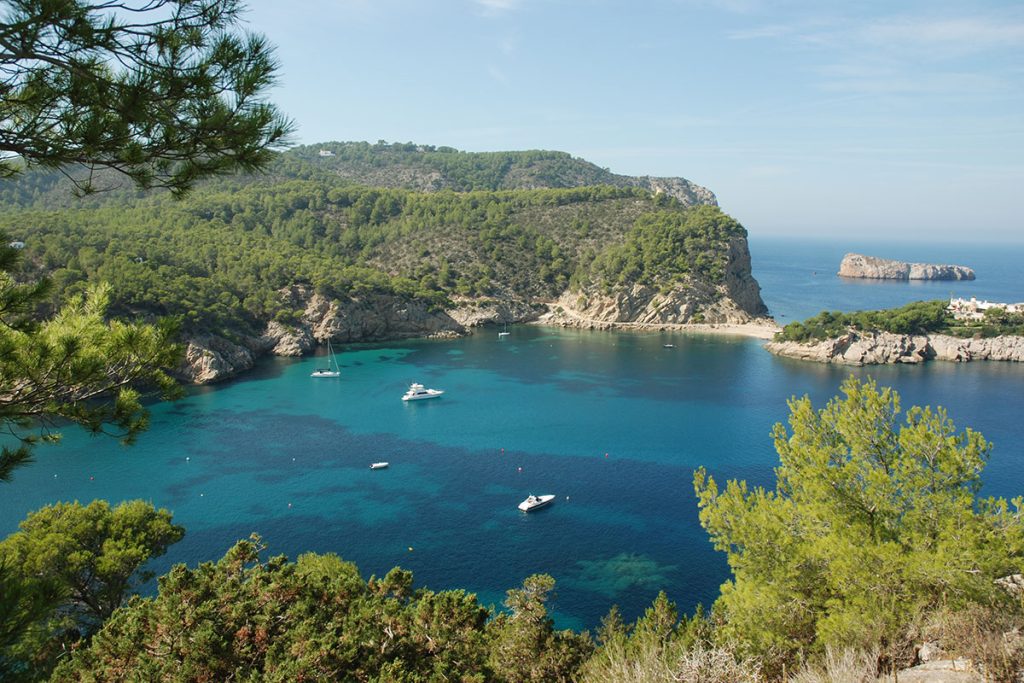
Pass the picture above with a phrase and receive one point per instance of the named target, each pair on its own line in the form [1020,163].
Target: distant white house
[972,309]
[16,244]
[326,153]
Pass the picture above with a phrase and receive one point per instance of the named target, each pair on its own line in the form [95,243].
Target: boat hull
[421,397]
[536,502]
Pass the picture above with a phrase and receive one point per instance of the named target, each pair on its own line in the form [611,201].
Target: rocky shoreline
[732,305]
[211,358]
[879,348]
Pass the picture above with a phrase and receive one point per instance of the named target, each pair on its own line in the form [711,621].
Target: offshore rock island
[358,242]
[871,267]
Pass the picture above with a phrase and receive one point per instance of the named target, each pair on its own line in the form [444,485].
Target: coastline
[885,348]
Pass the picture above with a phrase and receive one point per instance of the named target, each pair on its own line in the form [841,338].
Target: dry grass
[847,666]
[659,665]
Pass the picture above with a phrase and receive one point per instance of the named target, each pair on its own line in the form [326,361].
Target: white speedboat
[533,502]
[378,465]
[418,391]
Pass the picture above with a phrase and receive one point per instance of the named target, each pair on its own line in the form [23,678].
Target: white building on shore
[972,309]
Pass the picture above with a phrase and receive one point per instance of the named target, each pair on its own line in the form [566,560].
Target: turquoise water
[613,423]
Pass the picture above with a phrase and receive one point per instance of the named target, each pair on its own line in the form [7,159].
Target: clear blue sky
[875,119]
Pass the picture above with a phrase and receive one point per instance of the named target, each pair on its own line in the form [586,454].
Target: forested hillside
[242,251]
[427,168]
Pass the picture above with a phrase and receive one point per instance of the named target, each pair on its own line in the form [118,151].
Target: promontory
[871,267]
[958,331]
[358,242]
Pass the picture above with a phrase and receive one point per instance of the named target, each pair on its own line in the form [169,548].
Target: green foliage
[919,317]
[667,246]
[872,524]
[524,647]
[165,92]
[244,618]
[661,647]
[425,167]
[219,259]
[75,366]
[65,572]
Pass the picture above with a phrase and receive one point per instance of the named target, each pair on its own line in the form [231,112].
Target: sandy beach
[759,328]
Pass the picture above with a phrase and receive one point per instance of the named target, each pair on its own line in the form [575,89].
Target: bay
[614,424]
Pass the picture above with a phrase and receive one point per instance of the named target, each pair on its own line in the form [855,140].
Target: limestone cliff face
[736,301]
[740,285]
[375,317]
[690,194]
[210,358]
[372,317]
[860,266]
[683,304]
[877,348]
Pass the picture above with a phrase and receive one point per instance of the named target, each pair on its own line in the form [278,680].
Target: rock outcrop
[210,358]
[737,300]
[860,266]
[373,317]
[878,348]
[682,189]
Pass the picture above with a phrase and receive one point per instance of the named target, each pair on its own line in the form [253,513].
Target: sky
[896,119]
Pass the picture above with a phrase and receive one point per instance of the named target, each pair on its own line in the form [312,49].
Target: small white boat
[378,465]
[332,369]
[504,332]
[533,502]
[418,391]
[668,346]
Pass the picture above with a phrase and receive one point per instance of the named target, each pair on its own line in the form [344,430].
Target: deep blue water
[613,423]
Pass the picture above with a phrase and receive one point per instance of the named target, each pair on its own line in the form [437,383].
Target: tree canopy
[163,91]
[67,569]
[249,618]
[219,258]
[918,317]
[873,522]
[76,366]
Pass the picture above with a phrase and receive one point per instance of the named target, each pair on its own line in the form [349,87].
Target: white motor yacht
[533,502]
[418,391]
[378,465]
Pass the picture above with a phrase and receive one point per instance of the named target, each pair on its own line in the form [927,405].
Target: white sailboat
[332,369]
[504,332]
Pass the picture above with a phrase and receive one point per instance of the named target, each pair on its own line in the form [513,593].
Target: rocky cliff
[736,301]
[211,358]
[860,266]
[877,348]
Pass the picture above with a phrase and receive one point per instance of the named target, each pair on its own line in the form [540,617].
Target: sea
[612,423]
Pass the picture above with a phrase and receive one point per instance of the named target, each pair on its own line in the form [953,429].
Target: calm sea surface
[613,423]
